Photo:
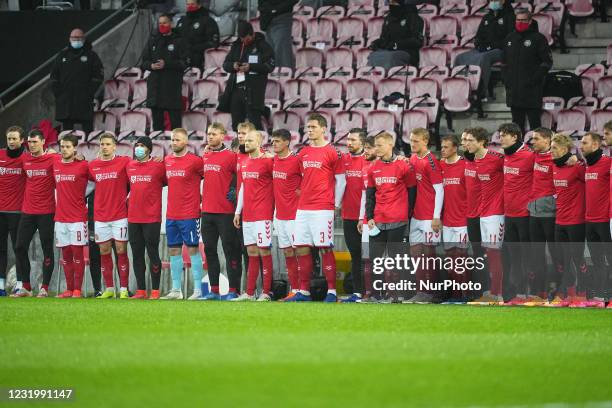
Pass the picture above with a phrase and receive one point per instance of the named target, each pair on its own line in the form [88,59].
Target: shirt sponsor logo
[175,173]
[419,176]
[539,167]
[385,180]
[353,173]
[453,181]
[511,170]
[312,164]
[36,173]
[106,176]
[212,167]
[484,177]
[279,175]
[470,173]
[6,171]
[140,179]
[64,177]
[590,176]
[560,183]
[250,175]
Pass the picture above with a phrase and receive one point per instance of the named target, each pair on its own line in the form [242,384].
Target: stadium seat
[285,120]
[273,90]
[429,105]
[195,120]
[361,105]
[599,118]
[469,26]
[591,71]
[333,13]
[571,120]
[342,74]
[432,56]
[104,121]
[389,85]
[470,72]
[89,150]
[456,94]
[361,57]
[446,42]
[78,133]
[423,86]
[216,74]
[555,10]
[457,51]
[128,74]
[214,57]
[361,12]
[350,27]
[440,25]
[297,88]
[206,89]
[604,86]
[224,118]
[338,57]
[281,74]
[320,43]
[116,89]
[479,7]
[412,119]
[329,89]
[191,75]
[133,121]
[308,57]
[580,8]
[405,73]
[379,121]
[297,28]
[545,26]
[609,57]
[374,74]
[458,10]
[330,107]
[300,106]
[359,88]
[303,13]
[427,12]
[587,104]
[522,6]
[551,106]
[320,27]
[438,73]
[347,120]
[395,108]
[140,91]
[353,3]
[374,27]
[209,107]
[115,107]
[352,43]
[310,74]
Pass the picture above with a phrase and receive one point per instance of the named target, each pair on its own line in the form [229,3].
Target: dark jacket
[260,56]
[526,61]
[164,86]
[200,32]
[402,31]
[494,28]
[75,77]
[269,9]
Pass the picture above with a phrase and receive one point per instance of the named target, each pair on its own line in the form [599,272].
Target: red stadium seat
[432,56]
[389,85]
[338,57]
[214,57]
[133,121]
[273,89]
[361,105]
[587,104]
[362,57]
[140,91]
[551,106]
[374,74]
[347,120]
[429,105]
[412,119]
[350,27]
[395,108]
[310,74]
[427,12]
[456,94]
[423,86]
[555,10]
[128,74]
[297,28]
[458,10]
[286,120]
[470,72]
[194,121]
[353,3]
[580,8]
[104,121]
[224,118]
[375,26]
[522,6]
[89,150]
[191,76]
[599,118]
[209,107]
[303,13]
[363,13]
[320,27]
[438,73]
[216,74]
[342,74]
[308,57]
[591,71]
[380,121]
[359,88]
[440,25]
[333,13]
[329,89]
[116,89]
[329,106]
[206,89]
[297,88]
[545,25]
[281,74]
[479,7]
[604,86]
[458,51]
[300,106]
[571,120]
[446,42]
[469,26]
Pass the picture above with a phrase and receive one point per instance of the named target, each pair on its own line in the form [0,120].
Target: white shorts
[492,231]
[284,231]
[365,240]
[455,237]
[257,233]
[314,228]
[116,230]
[422,233]
[71,233]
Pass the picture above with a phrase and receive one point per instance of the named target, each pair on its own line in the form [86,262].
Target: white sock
[197,292]
[295,290]
[332,291]
[357,294]
[1,283]
[109,290]
[19,285]
[122,289]
[305,292]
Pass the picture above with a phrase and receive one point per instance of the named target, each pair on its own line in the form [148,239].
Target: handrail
[50,60]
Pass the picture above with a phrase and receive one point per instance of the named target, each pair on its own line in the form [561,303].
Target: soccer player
[518,175]
[256,197]
[220,165]
[425,225]
[322,189]
[569,225]
[454,219]
[12,186]
[147,179]
[37,213]
[354,161]
[387,206]
[287,177]
[597,213]
[241,155]
[490,172]
[184,176]
[71,182]
[110,213]
[608,138]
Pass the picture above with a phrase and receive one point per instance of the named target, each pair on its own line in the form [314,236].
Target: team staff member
[200,31]
[147,179]
[276,20]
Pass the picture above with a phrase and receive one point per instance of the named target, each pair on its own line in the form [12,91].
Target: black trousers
[95,269]
[391,242]
[515,254]
[533,115]
[213,227]
[353,242]
[542,234]
[175,118]
[570,241]
[240,109]
[478,275]
[86,125]
[145,236]
[28,225]
[598,242]
[9,224]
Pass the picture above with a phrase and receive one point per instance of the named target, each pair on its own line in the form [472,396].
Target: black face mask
[469,156]
[15,153]
[594,157]
[562,160]
[512,149]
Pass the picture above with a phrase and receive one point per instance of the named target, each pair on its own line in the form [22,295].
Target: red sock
[45,287]
[79,266]
[266,261]
[252,274]
[329,269]
[292,271]
[106,265]
[124,269]
[214,289]
[496,271]
[571,291]
[305,271]
[68,265]
[27,286]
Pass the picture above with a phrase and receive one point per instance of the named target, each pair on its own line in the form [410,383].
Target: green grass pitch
[174,354]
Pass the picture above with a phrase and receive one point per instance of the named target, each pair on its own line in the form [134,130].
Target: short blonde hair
[218,126]
[108,135]
[386,136]
[180,131]
[257,134]
[563,140]
[248,126]
[421,132]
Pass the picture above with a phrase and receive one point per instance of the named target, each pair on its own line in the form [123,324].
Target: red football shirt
[490,171]
[287,178]
[39,195]
[258,189]
[110,203]
[219,171]
[319,165]
[184,176]
[455,199]
[542,185]
[147,180]
[12,182]
[353,168]
[365,175]
[472,189]
[70,184]
[569,187]
[518,175]
[391,180]
[428,173]
[596,189]
[240,158]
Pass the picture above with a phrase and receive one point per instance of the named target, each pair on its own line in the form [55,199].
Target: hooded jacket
[200,32]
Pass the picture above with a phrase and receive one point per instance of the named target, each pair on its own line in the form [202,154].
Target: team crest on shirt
[509,43]
[170,47]
[64,59]
[196,26]
[403,22]
[527,43]
[500,21]
[84,58]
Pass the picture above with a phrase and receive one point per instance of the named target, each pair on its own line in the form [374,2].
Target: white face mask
[140,152]
[76,44]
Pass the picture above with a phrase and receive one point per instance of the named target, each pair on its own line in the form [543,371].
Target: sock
[176,270]
[196,271]
[292,272]
[252,274]
[266,261]
[124,269]
[27,286]
[68,265]
[123,288]
[106,265]
[367,277]
[329,269]
[18,285]
[1,283]
[45,287]
[305,271]
[496,271]
[79,266]
[214,289]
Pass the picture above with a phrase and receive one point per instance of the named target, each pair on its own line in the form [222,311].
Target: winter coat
[201,32]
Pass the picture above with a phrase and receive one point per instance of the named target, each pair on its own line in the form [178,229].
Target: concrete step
[591,28]
[576,57]
[588,42]
[463,121]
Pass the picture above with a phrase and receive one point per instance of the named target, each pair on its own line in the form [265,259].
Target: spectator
[76,75]
[249,62]
[165,56]
[401,37]
[489,42]
[200,32]
[527,59]
[276,19]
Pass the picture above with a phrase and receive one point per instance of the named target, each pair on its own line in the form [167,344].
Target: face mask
[495,5]
[165,28]
[76,44]
[521,26]
[191,7]
[140,152]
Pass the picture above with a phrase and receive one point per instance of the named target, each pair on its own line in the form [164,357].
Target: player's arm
[91,186]
[362,205]
[436,223]
[410,181]
[239,206]
[340,181]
